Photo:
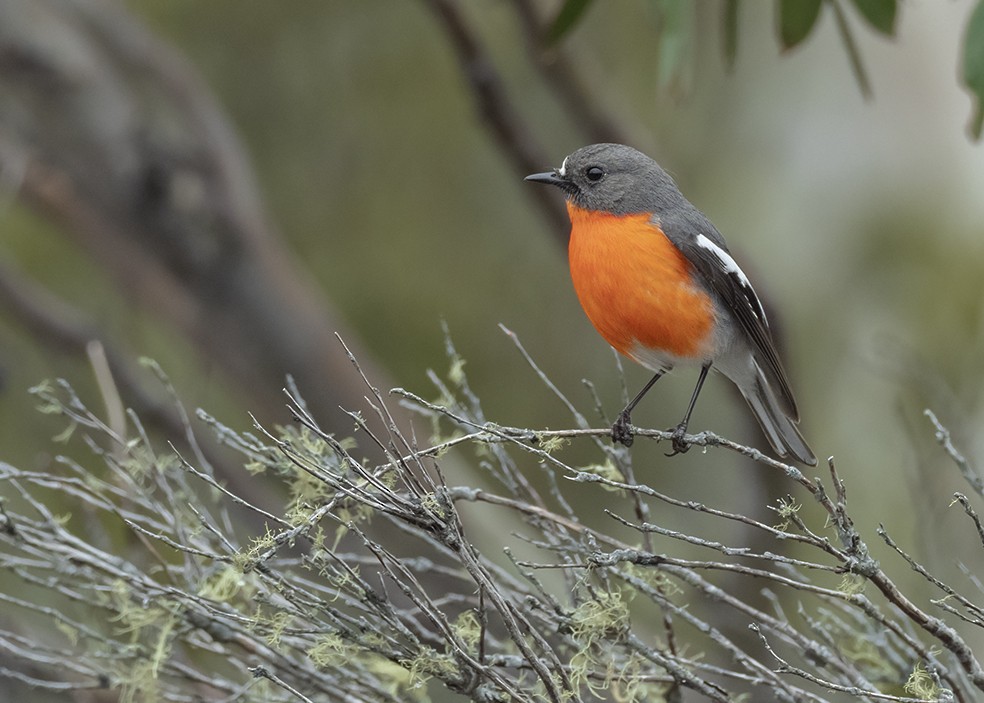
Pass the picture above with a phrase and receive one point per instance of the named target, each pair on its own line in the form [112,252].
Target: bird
[656,279]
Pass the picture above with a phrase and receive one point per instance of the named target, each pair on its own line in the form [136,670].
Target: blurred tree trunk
[105,130]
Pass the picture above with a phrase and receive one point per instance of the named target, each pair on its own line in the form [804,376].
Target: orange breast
[634,284]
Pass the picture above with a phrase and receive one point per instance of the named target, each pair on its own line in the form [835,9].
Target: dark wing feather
[719,272]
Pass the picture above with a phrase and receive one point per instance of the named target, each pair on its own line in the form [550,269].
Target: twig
[495,107]
[971,474]
[559,74]
[262,672]
[786,668]
[962,499]
[324,607]
[853,53]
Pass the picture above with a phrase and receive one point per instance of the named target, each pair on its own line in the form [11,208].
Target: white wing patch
[562,171]
[727,263]
[730,266]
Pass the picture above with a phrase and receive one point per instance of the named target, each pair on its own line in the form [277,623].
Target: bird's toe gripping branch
[680,445]
[622,430]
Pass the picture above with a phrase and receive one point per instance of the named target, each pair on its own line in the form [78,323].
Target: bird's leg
[622,429]
[679,445]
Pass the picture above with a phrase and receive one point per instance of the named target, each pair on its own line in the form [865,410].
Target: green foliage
[796,20]
[851,584]
[468,629]
[608,470]
[675,37]
[228,584]
[552,444]
[880,14]
[973,66]
[567,17]
[786,509]
[456,373]
[921,684]
[429,663]
[331,650]
[150,629]
[605,616]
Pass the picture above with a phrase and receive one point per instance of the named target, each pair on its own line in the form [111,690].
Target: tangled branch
[389,581]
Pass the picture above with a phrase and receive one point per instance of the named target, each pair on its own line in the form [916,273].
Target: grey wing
[704,247]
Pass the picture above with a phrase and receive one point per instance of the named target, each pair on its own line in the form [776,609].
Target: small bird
[656,280]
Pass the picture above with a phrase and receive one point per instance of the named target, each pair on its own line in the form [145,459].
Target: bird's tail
[779,428]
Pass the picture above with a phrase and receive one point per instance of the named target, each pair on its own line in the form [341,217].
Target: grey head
[613,178]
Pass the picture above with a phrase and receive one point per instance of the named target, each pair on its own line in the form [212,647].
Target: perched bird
[655,278]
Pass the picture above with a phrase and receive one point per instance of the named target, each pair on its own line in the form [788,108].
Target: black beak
[550,177]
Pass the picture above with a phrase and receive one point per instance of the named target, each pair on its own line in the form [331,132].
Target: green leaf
[879,13]
[568,16]
[851,46]
[973,66]
[674,42]
[730,32]
[796,19]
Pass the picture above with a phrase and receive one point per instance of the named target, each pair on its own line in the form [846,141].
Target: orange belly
[634,285]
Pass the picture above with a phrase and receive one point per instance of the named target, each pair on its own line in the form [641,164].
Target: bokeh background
[859,219]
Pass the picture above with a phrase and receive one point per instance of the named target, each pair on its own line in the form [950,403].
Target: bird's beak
[551,177]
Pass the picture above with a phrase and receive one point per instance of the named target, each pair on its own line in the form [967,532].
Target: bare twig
[555,66]
[321,605]
[970,473]
[513,136]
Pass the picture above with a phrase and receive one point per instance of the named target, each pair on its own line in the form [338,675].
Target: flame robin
[656,280]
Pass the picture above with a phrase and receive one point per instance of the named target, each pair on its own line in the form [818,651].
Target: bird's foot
[622,430]
[680,445]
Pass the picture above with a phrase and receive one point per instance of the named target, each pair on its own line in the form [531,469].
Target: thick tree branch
[561,76]
[513,136]
[105,130]
[60,326]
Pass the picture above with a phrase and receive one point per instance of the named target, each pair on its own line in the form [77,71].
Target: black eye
[594,173]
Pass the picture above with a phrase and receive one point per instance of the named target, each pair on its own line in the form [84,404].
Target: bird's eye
[594,173]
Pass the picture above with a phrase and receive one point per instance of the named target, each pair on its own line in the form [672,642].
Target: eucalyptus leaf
[796,20]
[880,14]
[567,18]
[973,66]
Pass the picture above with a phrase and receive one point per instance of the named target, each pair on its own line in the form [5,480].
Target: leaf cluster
[795,21]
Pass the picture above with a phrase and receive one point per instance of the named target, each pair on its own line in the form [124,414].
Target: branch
[513,136]
[60,326]
[118,140]
[378,576]
[557,71]
[969,473]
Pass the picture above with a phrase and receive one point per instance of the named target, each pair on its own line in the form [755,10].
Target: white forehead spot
[727,263]
[563,167]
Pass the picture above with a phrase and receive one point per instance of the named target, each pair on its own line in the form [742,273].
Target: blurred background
[221,186]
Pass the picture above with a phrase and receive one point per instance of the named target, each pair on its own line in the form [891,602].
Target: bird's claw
[622,430]
[680,445]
